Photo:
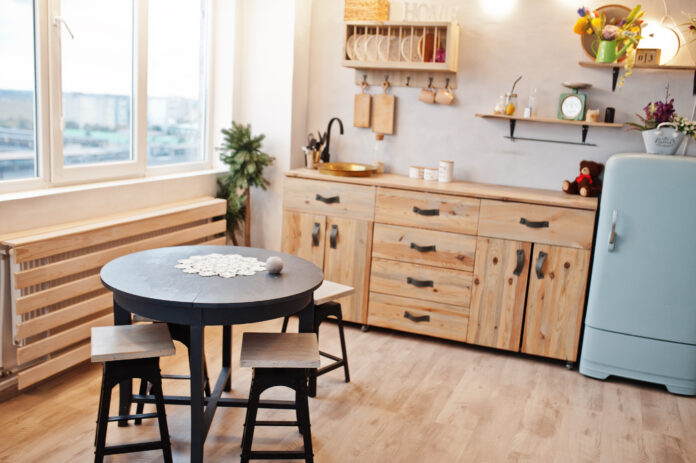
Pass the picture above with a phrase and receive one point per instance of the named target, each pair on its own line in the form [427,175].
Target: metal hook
[364,79]
[430,83]
[447,82]
[386,78]
[408,80]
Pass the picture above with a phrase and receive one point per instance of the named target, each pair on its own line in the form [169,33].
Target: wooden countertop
[457,188]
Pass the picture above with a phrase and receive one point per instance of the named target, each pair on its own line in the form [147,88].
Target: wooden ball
[274,265]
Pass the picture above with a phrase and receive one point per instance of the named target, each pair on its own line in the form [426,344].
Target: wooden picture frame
[648,56]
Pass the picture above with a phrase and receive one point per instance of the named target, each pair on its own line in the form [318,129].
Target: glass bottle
[379,153]
[500,106]
[510,103]
[530,110]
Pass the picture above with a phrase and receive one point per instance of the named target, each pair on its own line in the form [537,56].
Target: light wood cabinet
[500,285]
[555,301]
[340,246]
[496,266]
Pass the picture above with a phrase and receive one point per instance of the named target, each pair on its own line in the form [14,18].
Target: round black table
[148,284]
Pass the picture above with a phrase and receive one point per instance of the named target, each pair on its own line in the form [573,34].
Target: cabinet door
[555,301]
[303,236]
[497,300]
[347,261]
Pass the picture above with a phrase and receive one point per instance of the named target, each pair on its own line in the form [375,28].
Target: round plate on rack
[388,48]
[359,47]
[409,48]
[371,48]
[350,46]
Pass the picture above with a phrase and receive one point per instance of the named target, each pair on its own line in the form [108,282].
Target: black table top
[150,276]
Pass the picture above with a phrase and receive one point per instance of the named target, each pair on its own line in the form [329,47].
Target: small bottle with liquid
[510,103]
[379,153]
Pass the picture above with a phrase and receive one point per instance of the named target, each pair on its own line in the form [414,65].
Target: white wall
[498,43]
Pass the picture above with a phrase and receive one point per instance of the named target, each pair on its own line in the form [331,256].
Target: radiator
[55,294]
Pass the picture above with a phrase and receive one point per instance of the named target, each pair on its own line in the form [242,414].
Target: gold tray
[346,169]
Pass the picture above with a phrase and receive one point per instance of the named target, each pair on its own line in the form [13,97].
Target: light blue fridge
[641,310]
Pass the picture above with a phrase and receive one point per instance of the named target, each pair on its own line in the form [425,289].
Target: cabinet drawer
[427,210]
[440,249]
[539,224]
[414,316]
[331,198]
[421,282]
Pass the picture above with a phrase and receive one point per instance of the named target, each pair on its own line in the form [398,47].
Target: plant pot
[662,140]
[606,51]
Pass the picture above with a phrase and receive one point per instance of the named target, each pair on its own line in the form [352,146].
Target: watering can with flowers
[613,38]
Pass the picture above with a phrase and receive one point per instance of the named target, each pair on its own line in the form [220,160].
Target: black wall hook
[408,80]
[430,83]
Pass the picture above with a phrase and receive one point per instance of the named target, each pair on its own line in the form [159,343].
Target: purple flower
[660,111]
[582,11]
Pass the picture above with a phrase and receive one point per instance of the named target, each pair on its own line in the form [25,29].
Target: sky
[98,59]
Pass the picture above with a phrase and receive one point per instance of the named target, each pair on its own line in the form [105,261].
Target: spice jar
[510,103]
[500,106]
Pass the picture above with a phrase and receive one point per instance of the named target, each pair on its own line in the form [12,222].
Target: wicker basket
[366,10]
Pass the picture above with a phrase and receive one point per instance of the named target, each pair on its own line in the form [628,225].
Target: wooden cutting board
[383,112]
[361,108]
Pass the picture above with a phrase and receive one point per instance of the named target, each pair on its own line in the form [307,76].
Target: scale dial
[572,106]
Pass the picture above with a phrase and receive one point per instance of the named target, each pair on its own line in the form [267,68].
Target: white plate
[359,47]
[410,43]
[350,46]
[371,48]
[388,48]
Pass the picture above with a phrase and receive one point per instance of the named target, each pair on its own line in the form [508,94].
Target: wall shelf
[585,126]
[616,67]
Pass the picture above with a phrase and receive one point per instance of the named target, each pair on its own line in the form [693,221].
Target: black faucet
[325,155]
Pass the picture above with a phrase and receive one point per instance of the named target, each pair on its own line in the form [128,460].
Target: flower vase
[606,51]
[665,139]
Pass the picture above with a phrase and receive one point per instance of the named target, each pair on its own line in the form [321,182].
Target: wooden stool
[181,333]
[279,359]
[131,351]
[323,309]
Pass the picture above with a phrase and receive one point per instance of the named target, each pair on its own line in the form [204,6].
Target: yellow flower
[597,24]
[580,25]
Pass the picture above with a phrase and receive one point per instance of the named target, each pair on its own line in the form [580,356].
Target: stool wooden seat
[131,351]
[279,359]
[325,308]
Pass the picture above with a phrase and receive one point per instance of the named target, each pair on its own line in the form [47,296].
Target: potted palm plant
[241,151]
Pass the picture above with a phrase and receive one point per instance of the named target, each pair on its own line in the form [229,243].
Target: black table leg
[306,316]
[227,353]
[197,376]
[123,317]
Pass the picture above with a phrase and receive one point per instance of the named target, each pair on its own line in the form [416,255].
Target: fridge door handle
[612,234]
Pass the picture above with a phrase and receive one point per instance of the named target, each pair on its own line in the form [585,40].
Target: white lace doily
[223,265]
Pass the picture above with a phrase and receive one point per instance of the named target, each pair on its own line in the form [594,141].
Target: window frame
[48,106]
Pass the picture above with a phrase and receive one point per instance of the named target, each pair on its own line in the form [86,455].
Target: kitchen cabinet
[555,301]
[496,266]
[498,294]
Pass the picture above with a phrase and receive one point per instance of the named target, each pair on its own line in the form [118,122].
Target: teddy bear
[588,182]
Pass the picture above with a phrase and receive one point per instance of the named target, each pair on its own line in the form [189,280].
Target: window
[18,158]
[124,85]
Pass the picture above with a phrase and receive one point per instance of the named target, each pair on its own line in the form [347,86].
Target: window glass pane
[175,82]
[17,137]
[97,80]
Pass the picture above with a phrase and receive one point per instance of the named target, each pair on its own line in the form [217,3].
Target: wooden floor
[411,399]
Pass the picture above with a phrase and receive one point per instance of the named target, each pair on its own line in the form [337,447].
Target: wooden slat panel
[63,316]
[61,340]
[53,366]
[357,202]
[451,250]
[444,321]
[566,227]
[455,214]
[57,294]
[216,242]
[70,239]
[448,286]
[97,259]
[497,300]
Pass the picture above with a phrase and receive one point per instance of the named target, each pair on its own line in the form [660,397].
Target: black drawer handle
[419,283]
[315,234]
[540,264]
[413,318]
[420,211]
[333,236]
[331,200]
[423,248]
[520,262]
[532,224]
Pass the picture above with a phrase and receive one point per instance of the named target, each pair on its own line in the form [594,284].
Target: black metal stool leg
[344,354]
[162,421]
[103,417]
[250,421]
[302,405]
[285,324]
[144,390]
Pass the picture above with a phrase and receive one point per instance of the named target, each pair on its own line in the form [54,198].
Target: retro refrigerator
[641,310]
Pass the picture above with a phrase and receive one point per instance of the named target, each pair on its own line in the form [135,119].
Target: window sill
[86,187]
